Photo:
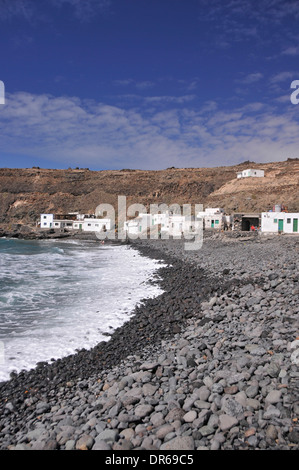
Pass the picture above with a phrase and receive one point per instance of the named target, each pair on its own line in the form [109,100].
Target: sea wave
[66,297]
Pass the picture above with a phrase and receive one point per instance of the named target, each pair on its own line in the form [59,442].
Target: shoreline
[190,281]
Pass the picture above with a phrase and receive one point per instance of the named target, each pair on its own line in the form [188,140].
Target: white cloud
[142,85]
[281,77]
[251,78]
[169,99]
[73,132]
[30,9]
[291,51]
[19,8]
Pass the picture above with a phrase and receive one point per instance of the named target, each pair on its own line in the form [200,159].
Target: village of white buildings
[170,223]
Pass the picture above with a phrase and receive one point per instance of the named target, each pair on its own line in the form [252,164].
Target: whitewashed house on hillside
[251,173]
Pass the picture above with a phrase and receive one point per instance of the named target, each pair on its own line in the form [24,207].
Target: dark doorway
[248,222]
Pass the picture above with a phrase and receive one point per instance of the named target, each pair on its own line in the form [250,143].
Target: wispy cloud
[70,131]
[281,77]
[84,9]
[16,8]
[250,78]
[141,85]
[30,9]
[169,99]
[263,22]
[291,51]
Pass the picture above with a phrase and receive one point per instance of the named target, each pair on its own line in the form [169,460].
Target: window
[275,221]
[56,224]
[45,223]
[96,225]
[288,221]
[45,216]
[89,225]
[216,221]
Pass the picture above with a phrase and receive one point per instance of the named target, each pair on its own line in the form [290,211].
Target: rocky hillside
[25,193]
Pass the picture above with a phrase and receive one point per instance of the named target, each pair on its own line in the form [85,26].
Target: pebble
[179,443]
[210,364]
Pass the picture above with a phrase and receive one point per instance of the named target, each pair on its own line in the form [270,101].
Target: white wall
[96,225]
[46,220]
[267,221]
[213,221]
[138,225]
[132,227]
[270,221]
[251,173]
[288,226]
[210,211]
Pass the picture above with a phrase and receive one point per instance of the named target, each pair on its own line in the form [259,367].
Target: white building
[214,218]
[74,221]
[57,221]
[163,223]
[138,225]
[93,225]
[251,173]
[62,223]
[46,220]
[173,225]
[279,222]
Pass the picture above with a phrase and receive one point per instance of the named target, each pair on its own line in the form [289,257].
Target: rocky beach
[210,364]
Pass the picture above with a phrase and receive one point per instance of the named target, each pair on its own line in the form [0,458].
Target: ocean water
[60,296]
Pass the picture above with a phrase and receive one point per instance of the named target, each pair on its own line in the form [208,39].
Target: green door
[80,226]
[280,225]
[295,225]
[212,223]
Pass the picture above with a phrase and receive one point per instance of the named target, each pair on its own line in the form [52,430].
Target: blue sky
[149,84]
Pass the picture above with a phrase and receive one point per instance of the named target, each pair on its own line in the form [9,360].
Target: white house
[164,223]
[177,225]
[251,173]
[279,222]
[173,225]
[62,223]
[213,221]
[213,217]
[74,221]
[46,220]
[93,225]
[57,221]
[138,225]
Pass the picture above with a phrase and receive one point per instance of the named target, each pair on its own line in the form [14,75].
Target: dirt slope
[25,193]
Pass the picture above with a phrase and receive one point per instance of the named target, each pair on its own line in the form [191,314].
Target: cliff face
[26,193]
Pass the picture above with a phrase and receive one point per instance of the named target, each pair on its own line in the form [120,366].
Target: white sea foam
[57,297]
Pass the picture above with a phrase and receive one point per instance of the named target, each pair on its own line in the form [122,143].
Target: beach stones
[226,380]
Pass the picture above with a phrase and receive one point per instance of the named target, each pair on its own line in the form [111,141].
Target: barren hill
[25,193]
